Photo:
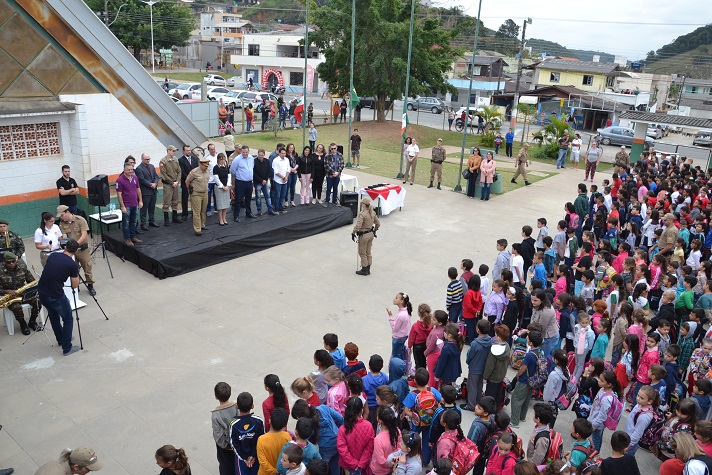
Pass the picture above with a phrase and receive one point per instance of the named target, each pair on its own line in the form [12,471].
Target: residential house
[697,95]
[586,75]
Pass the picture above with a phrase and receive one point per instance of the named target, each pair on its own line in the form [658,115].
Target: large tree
[172,23]
[381,52]
[508,29]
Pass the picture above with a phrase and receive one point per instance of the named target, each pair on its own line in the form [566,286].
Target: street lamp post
[407,85]
[151,3]
[351,78]
[458,187]
[515,102]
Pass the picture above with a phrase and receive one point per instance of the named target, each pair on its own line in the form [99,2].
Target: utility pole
[407,86]
[679,94]
[106,12]
[351,77]
[515,102]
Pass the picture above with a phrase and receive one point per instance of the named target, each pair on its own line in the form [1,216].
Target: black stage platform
[170,251]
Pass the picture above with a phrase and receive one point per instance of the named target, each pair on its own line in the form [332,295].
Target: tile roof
[577,66]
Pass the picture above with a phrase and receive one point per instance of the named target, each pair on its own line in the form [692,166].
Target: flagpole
[458,187]
[351,78]
[306,57]
[407,85]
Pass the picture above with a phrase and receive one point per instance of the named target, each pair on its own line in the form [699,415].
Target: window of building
[296,79]
[454,97]
[587,80]
[693,90]
[554,77]
[29,140]
[253,50]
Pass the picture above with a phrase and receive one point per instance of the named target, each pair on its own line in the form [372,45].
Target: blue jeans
[73,209]
[632,450]
[291,186]
[550,345]
[561,159]
[455,312]
[597,438]
[332,459]
[616,354]
[398,347]
[427,451]
[280,194]
[129,220]
[485,194]
[59,312]
[332,183]
[262,188]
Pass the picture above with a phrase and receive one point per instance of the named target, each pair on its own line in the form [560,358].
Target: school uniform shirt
[517,262]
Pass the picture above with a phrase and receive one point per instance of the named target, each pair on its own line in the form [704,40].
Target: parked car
[370,103]
[214,80]
[654,132]
[703,138]
[233,97]
[171,85]
[185,89]
[433,104]
[616,135]
[214,93]
[232,82]
[256,97]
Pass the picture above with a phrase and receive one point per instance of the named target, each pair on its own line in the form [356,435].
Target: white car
[215,80]
[185,89]
[214,93]
[233,97]
[233,81]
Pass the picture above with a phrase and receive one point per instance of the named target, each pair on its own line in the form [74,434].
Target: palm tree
[555,130]
[492,117]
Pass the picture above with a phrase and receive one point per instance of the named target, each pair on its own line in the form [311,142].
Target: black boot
[24,328]
[514,181]
[368,269]
[33,323]
[176,219]
[363,271]
[430,185]
[166,220]
[439,187]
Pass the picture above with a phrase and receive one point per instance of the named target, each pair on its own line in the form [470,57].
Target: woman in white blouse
[47,237]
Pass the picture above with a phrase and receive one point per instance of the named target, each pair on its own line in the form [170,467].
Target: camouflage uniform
[13,241]
[13,279]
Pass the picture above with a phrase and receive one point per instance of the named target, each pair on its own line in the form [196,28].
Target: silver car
[433,104]
[617,135]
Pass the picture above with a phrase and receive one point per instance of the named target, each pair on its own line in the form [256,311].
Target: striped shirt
[454,293]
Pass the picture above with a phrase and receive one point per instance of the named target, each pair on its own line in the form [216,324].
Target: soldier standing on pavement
[170,176]
[10,239]
[75,227]
[521,164]
[622,160]
[197,183]
[13,275]
[365,229]
[436,163]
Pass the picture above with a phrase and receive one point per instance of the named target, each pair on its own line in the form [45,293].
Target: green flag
[354,100]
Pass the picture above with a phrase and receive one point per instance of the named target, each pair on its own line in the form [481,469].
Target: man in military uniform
[622,160]
[436,163]
[365,229]
[13,275]
[10,239]
[197,182]
[170,176]
[75,227]
[521,163]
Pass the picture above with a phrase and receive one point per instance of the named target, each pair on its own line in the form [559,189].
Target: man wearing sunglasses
[334,164]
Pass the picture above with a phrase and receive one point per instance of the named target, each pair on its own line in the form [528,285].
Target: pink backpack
[614,413]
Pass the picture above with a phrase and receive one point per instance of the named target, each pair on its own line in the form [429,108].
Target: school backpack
[556,444]
[461,389]
[541,371]
[652,433]
[424,408]
[571,362]
[465,456]
[604,276]
[567,395]
[590,451]
[517,356]
[614,413]
[490,444]
[582,405]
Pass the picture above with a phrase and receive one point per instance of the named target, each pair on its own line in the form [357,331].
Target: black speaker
[340,149]
[350,199]
[98,190]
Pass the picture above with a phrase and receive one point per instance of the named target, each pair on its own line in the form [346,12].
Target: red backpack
[466,454]
[424,408]
[556,444]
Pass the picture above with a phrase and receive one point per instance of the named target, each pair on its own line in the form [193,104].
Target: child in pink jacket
[400,325]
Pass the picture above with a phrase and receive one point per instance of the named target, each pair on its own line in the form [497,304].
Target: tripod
[102,244]
[81,279]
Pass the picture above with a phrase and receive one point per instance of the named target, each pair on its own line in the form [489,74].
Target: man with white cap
[79,461]
[365,228]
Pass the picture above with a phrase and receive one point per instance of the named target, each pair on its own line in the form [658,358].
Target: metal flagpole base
[457,188]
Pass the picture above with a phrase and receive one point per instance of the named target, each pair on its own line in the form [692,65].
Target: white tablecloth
[348,183]
[106,221]
[387,199]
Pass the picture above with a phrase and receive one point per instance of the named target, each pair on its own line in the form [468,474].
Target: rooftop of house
[555,64]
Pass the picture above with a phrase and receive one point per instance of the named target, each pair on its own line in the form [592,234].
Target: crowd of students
[605,317]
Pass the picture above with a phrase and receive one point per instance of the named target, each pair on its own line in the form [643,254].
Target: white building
[276,57]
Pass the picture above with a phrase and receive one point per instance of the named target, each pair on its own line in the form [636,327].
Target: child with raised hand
[451,435]
[302,432]
[277,398]
[419,335]
[322,360]
[683,420]
[339,390]
[556,383]
[503,457]
[409,459]
[355,438]
[304,388]
[609,394]
[601,345]
[449,368]
[434,343]
[640,417]
[400,325]
[583,342]
[619,462]
[620,330]
[245,430]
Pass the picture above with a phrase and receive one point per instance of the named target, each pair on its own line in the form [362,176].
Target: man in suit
[148,180]
[187,162]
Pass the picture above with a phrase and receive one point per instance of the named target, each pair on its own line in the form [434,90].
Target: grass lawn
[183,77]
[380,150]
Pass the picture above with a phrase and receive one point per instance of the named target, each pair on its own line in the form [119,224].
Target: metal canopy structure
[667,119]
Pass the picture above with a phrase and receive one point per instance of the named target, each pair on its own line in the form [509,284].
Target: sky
[631,31]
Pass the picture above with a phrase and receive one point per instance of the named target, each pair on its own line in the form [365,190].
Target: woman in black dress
[292,156]
[318,174]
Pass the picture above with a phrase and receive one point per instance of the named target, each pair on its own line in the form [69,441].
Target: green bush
[548,151]
[487,140]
